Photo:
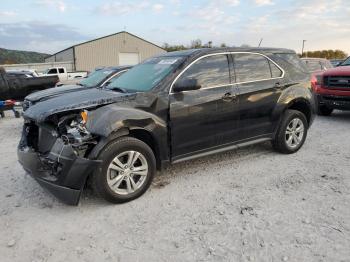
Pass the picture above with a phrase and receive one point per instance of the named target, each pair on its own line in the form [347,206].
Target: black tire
[324,111]
[17,114]
[113,149]
[279,143]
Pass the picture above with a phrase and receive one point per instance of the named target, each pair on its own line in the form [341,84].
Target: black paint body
[178,126]
[18,86]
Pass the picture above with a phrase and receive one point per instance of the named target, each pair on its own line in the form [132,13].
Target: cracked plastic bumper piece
[60,171]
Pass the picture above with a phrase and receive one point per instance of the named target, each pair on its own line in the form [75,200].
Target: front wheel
[292,132]
[127,170]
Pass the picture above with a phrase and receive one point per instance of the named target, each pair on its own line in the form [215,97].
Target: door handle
[228,97]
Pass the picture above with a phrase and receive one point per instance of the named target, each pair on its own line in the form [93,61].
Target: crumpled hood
[51,92]
[83,99]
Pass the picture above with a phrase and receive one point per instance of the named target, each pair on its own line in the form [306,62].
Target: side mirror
[186,85]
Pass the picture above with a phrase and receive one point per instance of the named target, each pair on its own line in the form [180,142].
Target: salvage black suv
[170,108]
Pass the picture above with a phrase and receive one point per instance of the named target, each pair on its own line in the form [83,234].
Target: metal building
[121,48]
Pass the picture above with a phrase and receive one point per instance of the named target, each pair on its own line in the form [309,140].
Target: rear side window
[209,71]
[61,70]
[252,67]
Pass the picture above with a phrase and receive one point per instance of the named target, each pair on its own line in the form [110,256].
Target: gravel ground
[251,204]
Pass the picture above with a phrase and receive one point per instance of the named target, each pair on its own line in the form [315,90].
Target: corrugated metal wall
[66,55]
[105,51]
[63,56]
[50,59]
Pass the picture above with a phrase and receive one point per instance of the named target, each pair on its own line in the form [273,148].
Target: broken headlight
[73,130]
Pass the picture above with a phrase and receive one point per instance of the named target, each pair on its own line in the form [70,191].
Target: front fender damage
[112,121]
[108,119]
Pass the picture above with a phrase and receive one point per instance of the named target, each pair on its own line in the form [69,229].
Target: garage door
[129,58]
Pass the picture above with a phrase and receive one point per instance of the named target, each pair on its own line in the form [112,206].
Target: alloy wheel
[294,133]
[127,172]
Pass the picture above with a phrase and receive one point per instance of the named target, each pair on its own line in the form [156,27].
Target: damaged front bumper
[55,165]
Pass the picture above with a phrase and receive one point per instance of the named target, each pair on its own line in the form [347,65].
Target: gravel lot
[250,204]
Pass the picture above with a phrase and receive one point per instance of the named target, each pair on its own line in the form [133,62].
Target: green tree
[328,54]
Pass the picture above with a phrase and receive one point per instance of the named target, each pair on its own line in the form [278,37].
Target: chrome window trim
[236,83]
[115,74]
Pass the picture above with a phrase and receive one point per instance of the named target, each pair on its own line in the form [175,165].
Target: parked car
[336,62]
[332,89]
[62,73]
[317,64]
[346,62]
[99,78]
[170,108]
[18,85]
[27,72]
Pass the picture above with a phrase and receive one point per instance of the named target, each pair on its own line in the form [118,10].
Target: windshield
[96,77]
[346,62]
[147,75]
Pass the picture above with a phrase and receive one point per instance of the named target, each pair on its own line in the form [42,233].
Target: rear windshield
[313,65]
[147,75]
[293,60]
[317,65]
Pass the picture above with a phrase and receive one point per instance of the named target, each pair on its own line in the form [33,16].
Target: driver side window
[209,71]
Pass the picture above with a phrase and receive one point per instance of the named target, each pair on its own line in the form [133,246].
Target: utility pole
[260,42]
[302,49]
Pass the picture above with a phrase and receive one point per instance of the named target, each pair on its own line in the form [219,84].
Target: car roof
[204,51]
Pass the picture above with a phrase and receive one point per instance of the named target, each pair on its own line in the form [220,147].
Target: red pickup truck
[332,89]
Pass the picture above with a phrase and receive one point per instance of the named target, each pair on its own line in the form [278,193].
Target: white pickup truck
[63,75]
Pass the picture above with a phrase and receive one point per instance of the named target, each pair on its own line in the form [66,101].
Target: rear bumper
[334,102]
[60,171]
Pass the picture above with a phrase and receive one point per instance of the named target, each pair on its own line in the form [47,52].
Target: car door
[204,118]
[259,82]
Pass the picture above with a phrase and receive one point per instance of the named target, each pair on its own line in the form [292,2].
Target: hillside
[20,57]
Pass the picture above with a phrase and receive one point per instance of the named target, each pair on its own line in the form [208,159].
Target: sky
[52,25]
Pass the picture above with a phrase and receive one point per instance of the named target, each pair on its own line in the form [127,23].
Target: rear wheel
[127,170]
[324,111]
[292,132]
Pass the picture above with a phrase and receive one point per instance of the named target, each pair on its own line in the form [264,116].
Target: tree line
[195,44]
[328,54]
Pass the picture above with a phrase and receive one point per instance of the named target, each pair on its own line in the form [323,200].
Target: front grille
[337,81]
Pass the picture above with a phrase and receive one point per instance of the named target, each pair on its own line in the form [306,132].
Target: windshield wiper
[118,89]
